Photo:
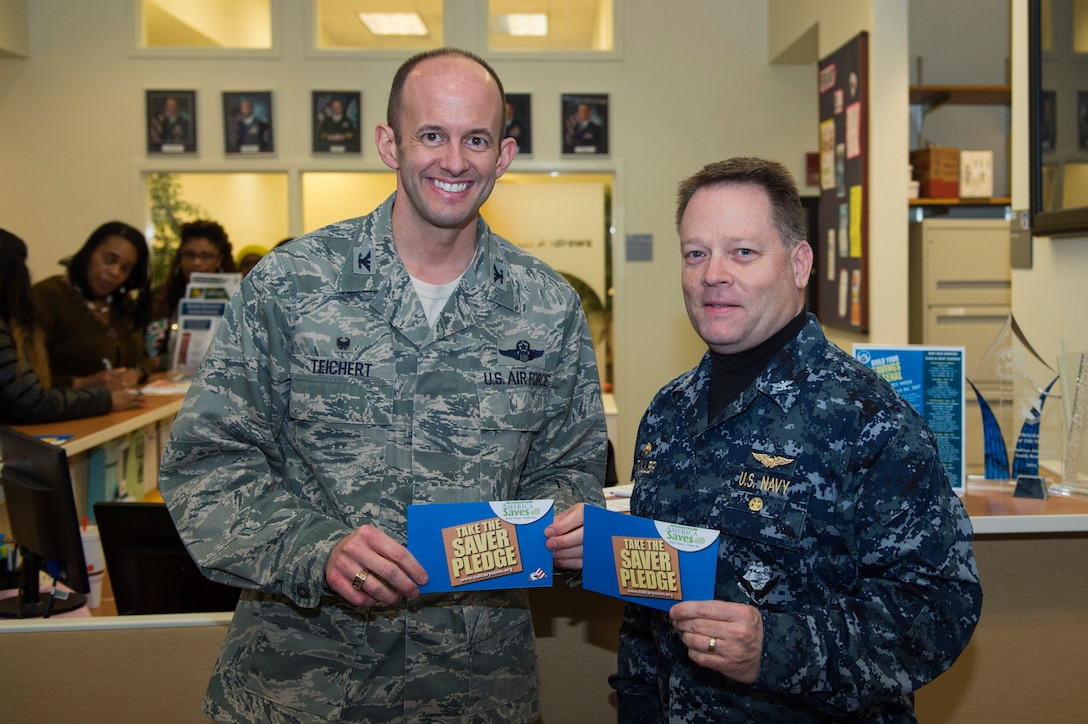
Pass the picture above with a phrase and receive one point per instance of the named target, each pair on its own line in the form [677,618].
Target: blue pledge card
[482,546]
[648,561]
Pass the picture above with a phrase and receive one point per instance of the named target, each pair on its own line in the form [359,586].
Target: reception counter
[1027,659]
[149,427]
[1025,662]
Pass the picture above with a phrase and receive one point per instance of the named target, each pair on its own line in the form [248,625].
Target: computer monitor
[149,568]
[42,513]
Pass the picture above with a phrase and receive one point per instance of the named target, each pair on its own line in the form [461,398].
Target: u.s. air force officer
[845,576]
[408,356]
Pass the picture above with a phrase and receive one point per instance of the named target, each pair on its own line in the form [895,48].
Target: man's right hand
[390,572]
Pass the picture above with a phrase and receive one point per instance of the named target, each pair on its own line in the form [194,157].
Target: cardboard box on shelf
[937,168]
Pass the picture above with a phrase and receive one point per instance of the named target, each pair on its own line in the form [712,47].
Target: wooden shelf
[932,96]
[995,201]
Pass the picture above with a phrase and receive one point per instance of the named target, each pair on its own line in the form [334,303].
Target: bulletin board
[842,282]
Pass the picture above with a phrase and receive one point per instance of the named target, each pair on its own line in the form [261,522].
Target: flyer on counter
[932,380]
[647,561]
[482,546]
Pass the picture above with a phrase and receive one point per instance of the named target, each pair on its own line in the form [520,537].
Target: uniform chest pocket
[512,408]
[365,401]
[772,512]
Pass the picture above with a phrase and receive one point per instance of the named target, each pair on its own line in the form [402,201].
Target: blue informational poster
[646,561]
[482,546]
[932,380]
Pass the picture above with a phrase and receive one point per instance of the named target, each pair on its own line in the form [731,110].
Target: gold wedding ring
[712,645]
[359,580]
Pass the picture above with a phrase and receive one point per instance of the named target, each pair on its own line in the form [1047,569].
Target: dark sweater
[24,401]
[76,341]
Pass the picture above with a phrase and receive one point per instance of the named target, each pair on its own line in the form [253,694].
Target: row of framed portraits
[249,122]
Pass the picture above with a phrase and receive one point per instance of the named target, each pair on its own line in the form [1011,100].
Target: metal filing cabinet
[960,294]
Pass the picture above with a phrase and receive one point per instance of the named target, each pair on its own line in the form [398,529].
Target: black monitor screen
[42,513]
[149,568]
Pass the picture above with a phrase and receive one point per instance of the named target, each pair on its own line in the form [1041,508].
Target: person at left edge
[410,356]
[26,394]
[94,316]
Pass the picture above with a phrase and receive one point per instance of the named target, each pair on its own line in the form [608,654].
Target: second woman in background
[94,317]
[204,248]
[26,396]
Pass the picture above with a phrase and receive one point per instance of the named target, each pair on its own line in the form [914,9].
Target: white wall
[837,22]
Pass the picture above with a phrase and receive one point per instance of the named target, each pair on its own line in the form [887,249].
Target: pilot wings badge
[771,461]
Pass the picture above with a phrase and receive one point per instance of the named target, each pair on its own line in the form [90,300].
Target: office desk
[1025,662]
[88,433]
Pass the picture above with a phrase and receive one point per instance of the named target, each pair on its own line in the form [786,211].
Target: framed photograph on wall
[336,117]
[518,121]
[247,122]
[171,121]
[585,123]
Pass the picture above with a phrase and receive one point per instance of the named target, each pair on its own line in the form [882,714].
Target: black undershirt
[730,374]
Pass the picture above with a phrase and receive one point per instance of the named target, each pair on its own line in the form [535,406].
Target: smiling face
[451,147]
[741,284]
[109,266]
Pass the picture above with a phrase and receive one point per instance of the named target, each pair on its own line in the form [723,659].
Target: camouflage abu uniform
[327,402]
[837,521]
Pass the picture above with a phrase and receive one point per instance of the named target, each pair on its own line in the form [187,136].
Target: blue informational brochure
[482,546]
[932,380]
[646,561]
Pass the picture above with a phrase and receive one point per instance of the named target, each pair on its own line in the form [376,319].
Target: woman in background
[248,256]
[94,317]
[204,248]
[25,393]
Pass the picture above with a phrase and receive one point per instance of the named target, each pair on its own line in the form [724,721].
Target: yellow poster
[855,221]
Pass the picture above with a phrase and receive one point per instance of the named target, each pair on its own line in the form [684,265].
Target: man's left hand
[564,538]
[723,636]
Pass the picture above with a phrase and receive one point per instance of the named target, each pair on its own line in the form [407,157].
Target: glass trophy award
[1073,367]
[1013,385]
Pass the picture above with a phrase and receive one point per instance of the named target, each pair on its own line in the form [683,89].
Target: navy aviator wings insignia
[771,461]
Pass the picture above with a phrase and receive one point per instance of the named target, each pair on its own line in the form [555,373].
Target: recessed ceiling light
[522,24]
[394,23]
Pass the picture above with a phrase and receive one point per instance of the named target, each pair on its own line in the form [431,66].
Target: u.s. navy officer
[358,372]
[845,575]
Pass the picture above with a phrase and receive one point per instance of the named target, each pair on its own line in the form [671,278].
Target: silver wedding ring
[359,580]
[712,645]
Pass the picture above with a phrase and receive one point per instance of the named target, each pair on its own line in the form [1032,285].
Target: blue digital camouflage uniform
[328,402]
[837,521]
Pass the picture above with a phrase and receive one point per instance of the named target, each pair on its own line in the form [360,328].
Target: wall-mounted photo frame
[171,121]
[247,122]
[518,121]
[336,116]
[584,123]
